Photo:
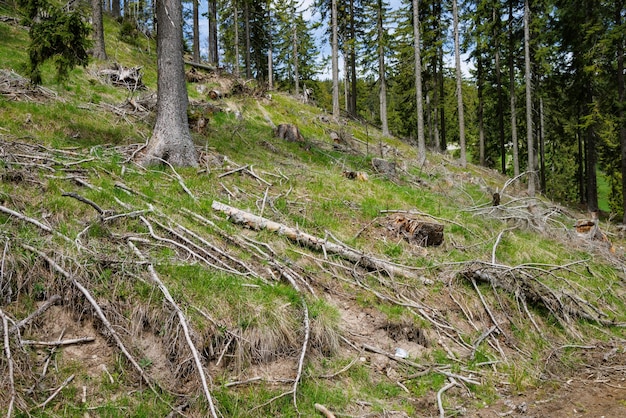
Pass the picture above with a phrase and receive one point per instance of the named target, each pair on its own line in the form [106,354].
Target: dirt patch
[91,356]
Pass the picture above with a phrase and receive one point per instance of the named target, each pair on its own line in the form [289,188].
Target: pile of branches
[120,76]
[15,87]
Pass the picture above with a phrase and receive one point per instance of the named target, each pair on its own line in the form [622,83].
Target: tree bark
[246,14]
[116,10]
[296,75]
[335,59]
[171,140]
[352,47]
[529,102]
[421,142]
[500,105]
[236,24]
[99,51]
[459,83]
[196,32]
[514,138]
[480,87]
[621,92]
[213,49]
[382,94]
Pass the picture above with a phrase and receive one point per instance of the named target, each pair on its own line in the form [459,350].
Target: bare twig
[183,322]
[53,299]
[26,218]
[7,353]
[56,392]
[442,412]
[80,198]
[324,410]
[57,343]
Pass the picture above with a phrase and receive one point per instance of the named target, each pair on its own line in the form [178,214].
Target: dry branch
[324,410]
[54,299]
[442,412]
[72,341]
[7,353]
[98,310]
[56,392]
[239,216]
[183,324]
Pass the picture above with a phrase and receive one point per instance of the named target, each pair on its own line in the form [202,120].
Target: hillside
[127,291]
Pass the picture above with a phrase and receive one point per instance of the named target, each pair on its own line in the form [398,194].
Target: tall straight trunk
[442,107]
[236,25]
[116,10]
[382,93]
[459,82]
[621,93]
[500,103]
[246,16]
[542,147]
[353,86]
[213,50]
[421,143]
[171,140]
[512,94]
[346,79]
[270,58]
[99,51]
[294,35]
[529,103]
[335,59]
[590,169]
[196,31]
[480,87]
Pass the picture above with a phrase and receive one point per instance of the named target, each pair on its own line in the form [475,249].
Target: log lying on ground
[241,217]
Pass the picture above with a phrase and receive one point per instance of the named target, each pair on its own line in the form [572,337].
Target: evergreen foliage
[55,34]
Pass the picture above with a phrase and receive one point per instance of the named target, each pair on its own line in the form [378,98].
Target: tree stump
[288,132]
[416,231]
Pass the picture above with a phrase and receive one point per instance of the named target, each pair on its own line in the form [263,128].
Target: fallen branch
[56,392]
[80,198]
[99,312]
[442,412]
[7,353]
[239,216]
[324,410]
[72,341]
[183,323]
[54,299]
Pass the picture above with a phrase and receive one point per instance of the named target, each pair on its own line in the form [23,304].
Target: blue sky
[322,40]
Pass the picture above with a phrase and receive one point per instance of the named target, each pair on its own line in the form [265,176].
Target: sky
[322,40]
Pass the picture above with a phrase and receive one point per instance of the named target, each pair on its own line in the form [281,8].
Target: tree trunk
[352,47]
[171,140]
[382,94]
[99,51]
[542,144]
[459,83]
[500,105]
[116,10]
[270,58]
[421,142]
[512,95]
[236,24]
[621,93]
[196,32]
[480,87]
[442,106]
[335,59]
[529,102]
[246,16]
[296,75]
[213,49]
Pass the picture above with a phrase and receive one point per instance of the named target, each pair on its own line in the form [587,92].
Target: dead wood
[201,66]
[416,231]
[7,353]
[319,244]
[56,392]
[118,75]
[288,132]
[53,300]
[72,341]
[91,203]
[183,323]
[324,410]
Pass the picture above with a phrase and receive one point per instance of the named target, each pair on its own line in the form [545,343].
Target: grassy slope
[82,138]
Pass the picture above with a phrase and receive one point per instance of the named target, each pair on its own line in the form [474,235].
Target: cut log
[417,231]
[255,222]
[202,66]
[288,132]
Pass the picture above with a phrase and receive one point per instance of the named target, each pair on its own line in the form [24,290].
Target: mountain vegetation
[306,263]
